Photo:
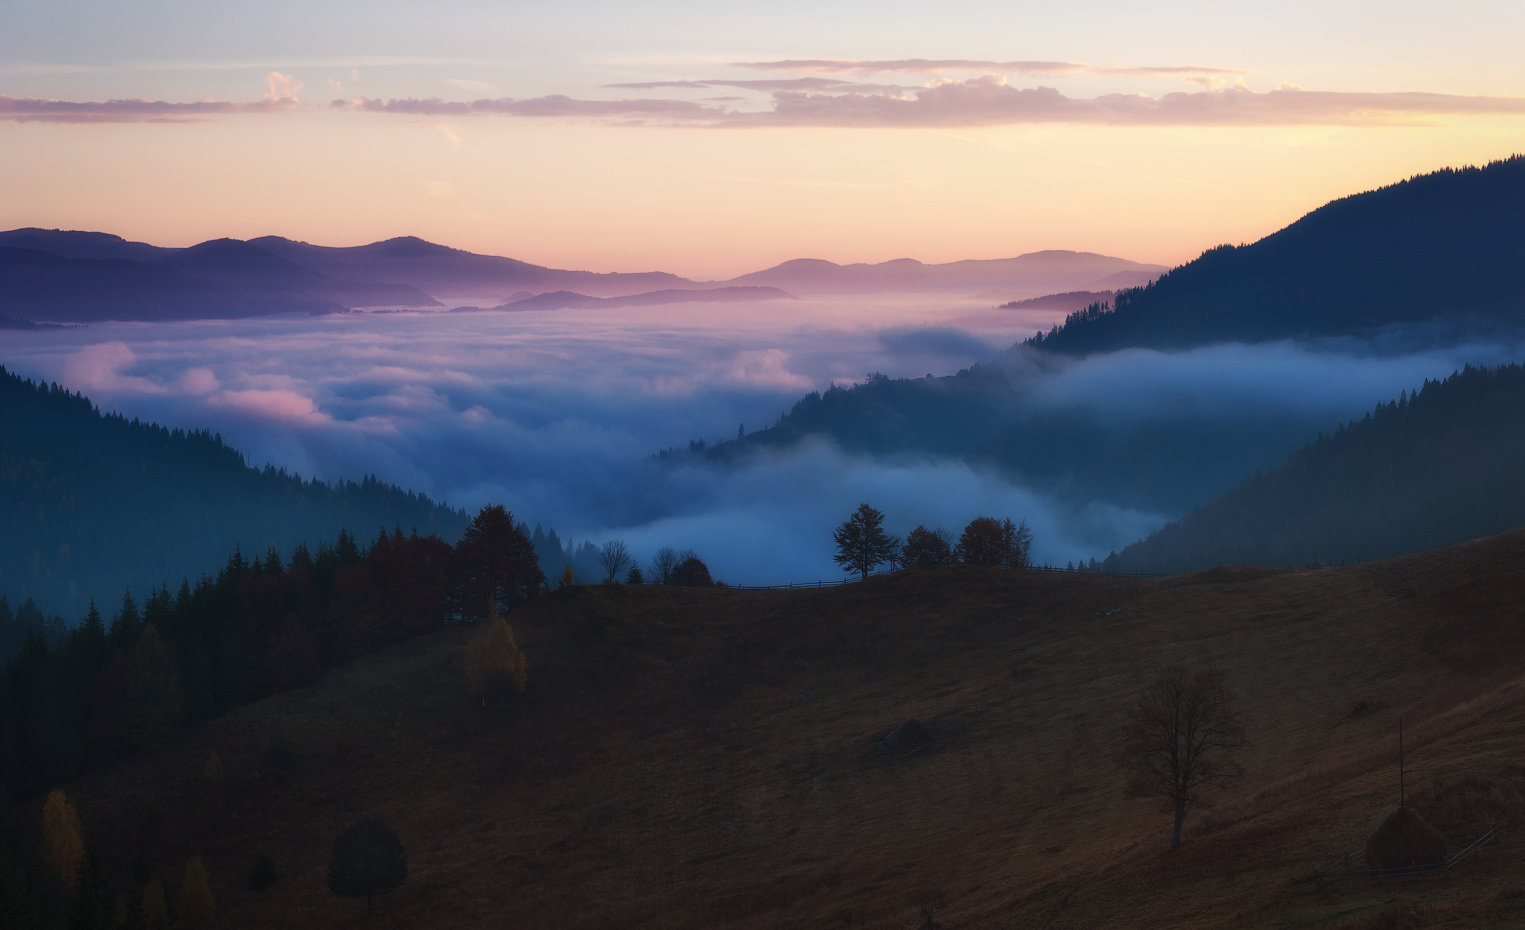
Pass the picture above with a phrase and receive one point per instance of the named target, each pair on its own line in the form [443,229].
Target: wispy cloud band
[987,100]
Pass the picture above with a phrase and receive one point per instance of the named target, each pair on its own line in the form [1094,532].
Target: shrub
[197,907]
[692,573]
[263,875]
[368,858]
[494,664]
[62,844]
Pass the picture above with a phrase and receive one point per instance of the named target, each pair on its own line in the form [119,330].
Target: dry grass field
[703,758]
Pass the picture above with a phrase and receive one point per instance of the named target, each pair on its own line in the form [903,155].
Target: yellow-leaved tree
[197,907]
[494,664]
[214,768]
[61,839]
[155,908]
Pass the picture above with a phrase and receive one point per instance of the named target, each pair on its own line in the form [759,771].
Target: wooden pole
[1400,761]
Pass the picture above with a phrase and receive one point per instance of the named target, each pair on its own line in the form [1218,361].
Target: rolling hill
[1445,249]
[705,759]
[1420,472]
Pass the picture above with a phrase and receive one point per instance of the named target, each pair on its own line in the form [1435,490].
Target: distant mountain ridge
[1034,273]
[51,275]
[1446,247]
[563,300]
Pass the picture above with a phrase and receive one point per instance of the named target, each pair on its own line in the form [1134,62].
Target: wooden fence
[1340,869]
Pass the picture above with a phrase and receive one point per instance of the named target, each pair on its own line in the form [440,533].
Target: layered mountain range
[62,276]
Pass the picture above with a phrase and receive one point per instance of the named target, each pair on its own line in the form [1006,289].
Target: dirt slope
[697,758]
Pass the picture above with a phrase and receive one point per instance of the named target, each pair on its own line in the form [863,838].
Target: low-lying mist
[557,415]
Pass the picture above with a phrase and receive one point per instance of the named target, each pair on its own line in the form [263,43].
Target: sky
[714,139]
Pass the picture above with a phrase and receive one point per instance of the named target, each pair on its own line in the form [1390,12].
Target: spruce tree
[862,543]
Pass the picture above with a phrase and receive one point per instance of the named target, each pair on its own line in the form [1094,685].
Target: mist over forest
[562,422]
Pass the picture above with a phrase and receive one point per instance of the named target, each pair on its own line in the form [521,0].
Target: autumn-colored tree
[213,771]
[494,664]
[63,843]
[155,907]
[1178,740]
[567,578]
[988,541]
[926,548]
[197,907]
[692,573]
[493,561]
[154,704]
[862,543]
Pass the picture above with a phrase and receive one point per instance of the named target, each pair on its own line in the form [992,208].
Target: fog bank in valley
[557,415]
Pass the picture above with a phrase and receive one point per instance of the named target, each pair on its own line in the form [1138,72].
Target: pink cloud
[103,367]
[274,405]
[989,100]
[552,106]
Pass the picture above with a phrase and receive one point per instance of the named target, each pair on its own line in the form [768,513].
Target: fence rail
[854,579]
[1340,870]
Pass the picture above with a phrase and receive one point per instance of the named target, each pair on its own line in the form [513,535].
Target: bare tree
[662,565]
[1179,738]
[613,556]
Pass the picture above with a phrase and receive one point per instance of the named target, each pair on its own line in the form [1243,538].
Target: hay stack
[909,735]
[1405,839]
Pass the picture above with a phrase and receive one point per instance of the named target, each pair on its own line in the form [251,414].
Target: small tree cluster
[988,541]
[863,545]
[613,557]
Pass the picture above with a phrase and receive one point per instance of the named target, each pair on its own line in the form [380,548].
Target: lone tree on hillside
[368,859]
[862,543]
[988,541]
[495,560]
[613,556]
[1179,739]
[926,548]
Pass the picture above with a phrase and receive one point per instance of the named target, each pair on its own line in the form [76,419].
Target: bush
[368,858]
[692,573]
[263,875]
[197,907]
[494,664]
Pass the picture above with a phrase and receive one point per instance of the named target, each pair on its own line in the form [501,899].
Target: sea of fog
[557,414]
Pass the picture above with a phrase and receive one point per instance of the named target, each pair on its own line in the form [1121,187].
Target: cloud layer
[986,99]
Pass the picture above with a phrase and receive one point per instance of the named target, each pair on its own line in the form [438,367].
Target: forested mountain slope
[93,502]
[1444,247]
[1166,463]
[1444,466]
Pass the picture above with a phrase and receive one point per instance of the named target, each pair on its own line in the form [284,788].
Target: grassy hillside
[1444,246]
[702,758]
[1417,473]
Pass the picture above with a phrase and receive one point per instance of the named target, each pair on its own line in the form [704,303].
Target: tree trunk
[1175,840]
